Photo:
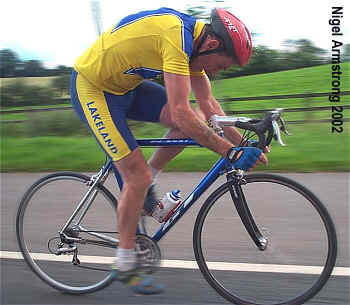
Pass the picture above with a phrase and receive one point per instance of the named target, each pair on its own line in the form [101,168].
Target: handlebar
[265,129]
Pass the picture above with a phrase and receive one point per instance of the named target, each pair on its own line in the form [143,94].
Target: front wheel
[301,243]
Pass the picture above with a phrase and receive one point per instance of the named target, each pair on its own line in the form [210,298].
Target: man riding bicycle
[110,84]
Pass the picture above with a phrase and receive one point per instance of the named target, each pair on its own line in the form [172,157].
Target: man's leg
[137,178]
[104,113]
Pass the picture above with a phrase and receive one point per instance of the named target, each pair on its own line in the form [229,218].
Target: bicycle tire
[32,263]
[326,221]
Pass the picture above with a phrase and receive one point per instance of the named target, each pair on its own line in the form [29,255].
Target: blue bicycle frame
[220,167]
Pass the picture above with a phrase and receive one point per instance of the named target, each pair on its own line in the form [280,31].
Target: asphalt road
[184,286]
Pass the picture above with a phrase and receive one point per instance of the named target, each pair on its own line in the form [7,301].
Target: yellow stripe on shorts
[96,111]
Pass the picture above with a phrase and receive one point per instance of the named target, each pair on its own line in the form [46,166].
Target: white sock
[126,259]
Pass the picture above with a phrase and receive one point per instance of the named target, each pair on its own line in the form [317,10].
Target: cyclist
[110,84]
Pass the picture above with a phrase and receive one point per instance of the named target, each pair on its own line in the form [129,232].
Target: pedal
[75,260]
[284,127]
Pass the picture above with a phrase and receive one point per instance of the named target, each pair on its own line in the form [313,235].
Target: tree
[303,53]
[61,83]
[9,62]
[346,53]
[199,12]
[61,69]
[263,60]
[202,12]
[19,94]
[33,68]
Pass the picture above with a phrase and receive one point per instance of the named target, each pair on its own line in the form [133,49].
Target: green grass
[306,80]
[310,148]
[50,153]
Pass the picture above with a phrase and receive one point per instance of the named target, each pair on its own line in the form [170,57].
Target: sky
[57,32]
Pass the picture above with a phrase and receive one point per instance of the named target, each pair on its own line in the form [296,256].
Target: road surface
[185,285]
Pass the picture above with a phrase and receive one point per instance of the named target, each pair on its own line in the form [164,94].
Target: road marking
[181,264]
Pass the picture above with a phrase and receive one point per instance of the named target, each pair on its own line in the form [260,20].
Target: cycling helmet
[235,35]
[232,32]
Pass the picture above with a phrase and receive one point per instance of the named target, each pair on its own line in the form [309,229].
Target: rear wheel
[72,267]
[301,243]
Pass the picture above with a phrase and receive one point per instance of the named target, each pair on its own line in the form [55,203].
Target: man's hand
[254,143]
[246,158]
[266,149]
[262,159]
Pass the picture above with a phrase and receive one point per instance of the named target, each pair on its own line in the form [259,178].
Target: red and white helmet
[235,35]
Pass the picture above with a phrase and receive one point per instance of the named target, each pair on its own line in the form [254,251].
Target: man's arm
[210,106]
[178,89]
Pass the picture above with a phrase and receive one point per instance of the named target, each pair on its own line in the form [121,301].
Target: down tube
[208,180]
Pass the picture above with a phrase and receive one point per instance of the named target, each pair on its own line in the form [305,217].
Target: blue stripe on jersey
[144,72]
[188,24]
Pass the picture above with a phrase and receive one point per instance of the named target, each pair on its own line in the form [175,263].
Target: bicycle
[253,200]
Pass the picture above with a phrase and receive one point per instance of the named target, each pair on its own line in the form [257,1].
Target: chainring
[148,253]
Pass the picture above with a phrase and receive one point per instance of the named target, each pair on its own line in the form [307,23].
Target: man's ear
[211,43]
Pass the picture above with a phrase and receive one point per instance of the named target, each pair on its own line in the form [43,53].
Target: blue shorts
[106,114]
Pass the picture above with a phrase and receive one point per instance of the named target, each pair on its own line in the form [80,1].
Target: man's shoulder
[162,19]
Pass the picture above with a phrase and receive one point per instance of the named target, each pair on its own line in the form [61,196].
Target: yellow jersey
[140,46]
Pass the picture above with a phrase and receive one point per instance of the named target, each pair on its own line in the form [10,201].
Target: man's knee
[134,171]
[139,181]
[142,180]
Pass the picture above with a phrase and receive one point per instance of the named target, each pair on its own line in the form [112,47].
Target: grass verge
[311,148]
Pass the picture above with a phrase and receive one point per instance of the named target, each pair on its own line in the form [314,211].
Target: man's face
[213,63]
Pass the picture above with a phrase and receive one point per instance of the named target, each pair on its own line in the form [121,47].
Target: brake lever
[212,123]
[276,129]
[284,127]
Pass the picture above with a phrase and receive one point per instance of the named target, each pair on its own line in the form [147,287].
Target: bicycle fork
[239,200]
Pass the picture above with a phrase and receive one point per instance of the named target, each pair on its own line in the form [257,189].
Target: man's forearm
[231,133]
[197,129]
